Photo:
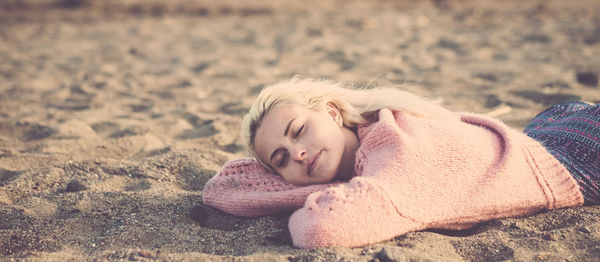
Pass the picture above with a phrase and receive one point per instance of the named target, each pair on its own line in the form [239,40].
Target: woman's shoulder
[381,116]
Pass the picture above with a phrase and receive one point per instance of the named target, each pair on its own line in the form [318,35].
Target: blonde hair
[355,105]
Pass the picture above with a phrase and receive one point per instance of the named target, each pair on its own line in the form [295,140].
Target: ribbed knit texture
[244,187]
[412,173]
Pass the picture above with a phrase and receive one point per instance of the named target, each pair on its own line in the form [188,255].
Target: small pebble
[366,251]
[549,237]
[585,230]
[75,186]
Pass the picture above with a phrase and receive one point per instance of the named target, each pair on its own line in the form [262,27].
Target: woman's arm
[244,188]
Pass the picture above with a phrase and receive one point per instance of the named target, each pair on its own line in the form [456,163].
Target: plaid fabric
[571,132]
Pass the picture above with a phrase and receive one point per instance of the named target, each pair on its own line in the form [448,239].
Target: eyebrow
[287,129]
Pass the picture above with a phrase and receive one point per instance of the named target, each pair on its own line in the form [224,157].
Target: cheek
[328,132]
[291,170]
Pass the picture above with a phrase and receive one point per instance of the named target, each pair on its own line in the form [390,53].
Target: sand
[114,114]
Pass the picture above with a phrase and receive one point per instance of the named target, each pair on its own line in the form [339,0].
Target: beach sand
[114,114]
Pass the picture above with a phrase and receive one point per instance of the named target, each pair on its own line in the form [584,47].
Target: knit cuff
[244,187]
[558,184]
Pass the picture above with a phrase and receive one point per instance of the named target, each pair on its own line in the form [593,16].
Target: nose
[298,153]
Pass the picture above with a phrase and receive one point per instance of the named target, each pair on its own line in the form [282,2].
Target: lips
[312,162]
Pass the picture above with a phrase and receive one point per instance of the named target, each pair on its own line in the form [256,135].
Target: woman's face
[304,146]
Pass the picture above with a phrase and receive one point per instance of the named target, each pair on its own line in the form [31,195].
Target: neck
[346,170]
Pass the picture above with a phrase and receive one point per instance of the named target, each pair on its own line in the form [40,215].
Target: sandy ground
[113,115]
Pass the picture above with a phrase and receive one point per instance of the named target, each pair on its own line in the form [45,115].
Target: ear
[335,114]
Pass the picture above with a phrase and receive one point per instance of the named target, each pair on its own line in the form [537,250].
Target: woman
[363,166]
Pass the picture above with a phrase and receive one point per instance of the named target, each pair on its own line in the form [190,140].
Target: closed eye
[283,160]
[299,131]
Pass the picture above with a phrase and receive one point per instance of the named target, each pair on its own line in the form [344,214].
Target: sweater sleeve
[244,188]
[350,215]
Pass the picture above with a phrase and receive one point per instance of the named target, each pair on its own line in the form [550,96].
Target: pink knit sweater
[412,173]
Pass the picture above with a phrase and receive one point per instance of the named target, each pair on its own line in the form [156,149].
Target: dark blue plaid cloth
[571,132]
